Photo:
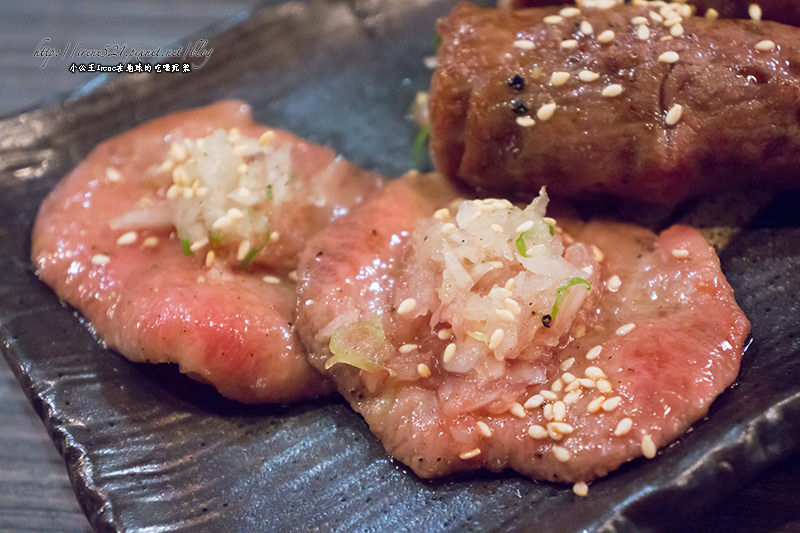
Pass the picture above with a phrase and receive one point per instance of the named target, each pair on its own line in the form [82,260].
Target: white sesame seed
[574,386]
[497,337]
[449,352]
[274,236]
[552,433]
[406,306]
[173,192]
[562,427]
[685,10]
[526,121]
[484,428]
[623,427]
[244,248]
[210,256]
[569,44]
[580,488]
[407,348]
[754,12]
[242,169]
[566,364]
[712,13]
[625,329]
[113,175]
[127,238]
[639,20]
[553,19]
[559,410]
[643,33]
[512,306]
[606,36]
[561,454]
[517,410]
[470,454]
[557,385]
[594,372]
[448,227]
[177,152]
[150,242]
[548,395]
[567,377]
[202,191]
[445,333]
[569,12]
[588,76]
[187,193]
[100,259]
[477,335]
[611,404]
[559,78]
[525,226]
[266,138]
[423,370]
[765,45]
[588,269]
[672,20]
[523,44]
[199,245]
[234,135]
[547,411]
[594,352]
[655,17]
[274,280]
[292,275]
[442,214]
[676,30]
[648,447]
[537,432]
[613,90]
[669,57]
[201,279]
[674,115]
[614,283]
[595,405]
[598,253]
[587,383]
[534,401]
[546,111]
[586,28]
[497,228]
[222,222]
[603,385]
[504,315]
[571,397]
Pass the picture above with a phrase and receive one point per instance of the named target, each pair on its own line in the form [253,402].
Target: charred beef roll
[644,102]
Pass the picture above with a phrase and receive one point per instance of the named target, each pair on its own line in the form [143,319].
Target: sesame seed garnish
[594,372]
[407,348]
[669,57]
[568,377]
[241,252]
[484,428]
[127,238]
[569,44]
[210,258]
[587,383]
[580,488]
[497,337]
[553,19]
[497,228]
[569,12]
[623,427]
[552,433]
[545,112]
[561,454]
[613,90]
[512,306]
[574,386]
[526,121]
[534,401]
[674,115]
[559,410]
[611,404]
[442,214]
[625,329]
[557,385]
[517,410]
[676,30]
[274,280]
[594,352]
[595,405]
[199,245]
[448,227]
[406,306]
[234,135]
[566,364]
[292,275]
[201,279]
[547,411]
[655,17]
[588,76]
[100,259]
[562,427]
[648,447]
[586,28]
[504,315]
[571,397]
[113,175]
[548,395]
[754,12]
[639,20]
[266,138]
[470,454]
[150,242]
[765,45]
[712,13]
[559,78]
[672,19]
[524,44]
[243,168]
[449,352]
[423,370]
[477,335]
[537,432]
[643,33]
[606,36]
[603,385]
[614,283]
[445,333]
[598,253]
[525,226]
[222,222]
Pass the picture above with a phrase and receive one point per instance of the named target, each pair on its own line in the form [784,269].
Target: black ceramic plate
[147,448]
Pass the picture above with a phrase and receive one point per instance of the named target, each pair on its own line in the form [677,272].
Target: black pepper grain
[547,321]
[518,107]
[516,82]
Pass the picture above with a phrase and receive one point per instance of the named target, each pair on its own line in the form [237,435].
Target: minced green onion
[561,293]
[420,144]
[269,192]
[520,242]
[186,247]
[250,256]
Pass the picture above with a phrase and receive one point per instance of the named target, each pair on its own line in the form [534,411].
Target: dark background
[35,493]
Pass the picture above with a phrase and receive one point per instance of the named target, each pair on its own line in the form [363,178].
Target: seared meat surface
[615,102]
